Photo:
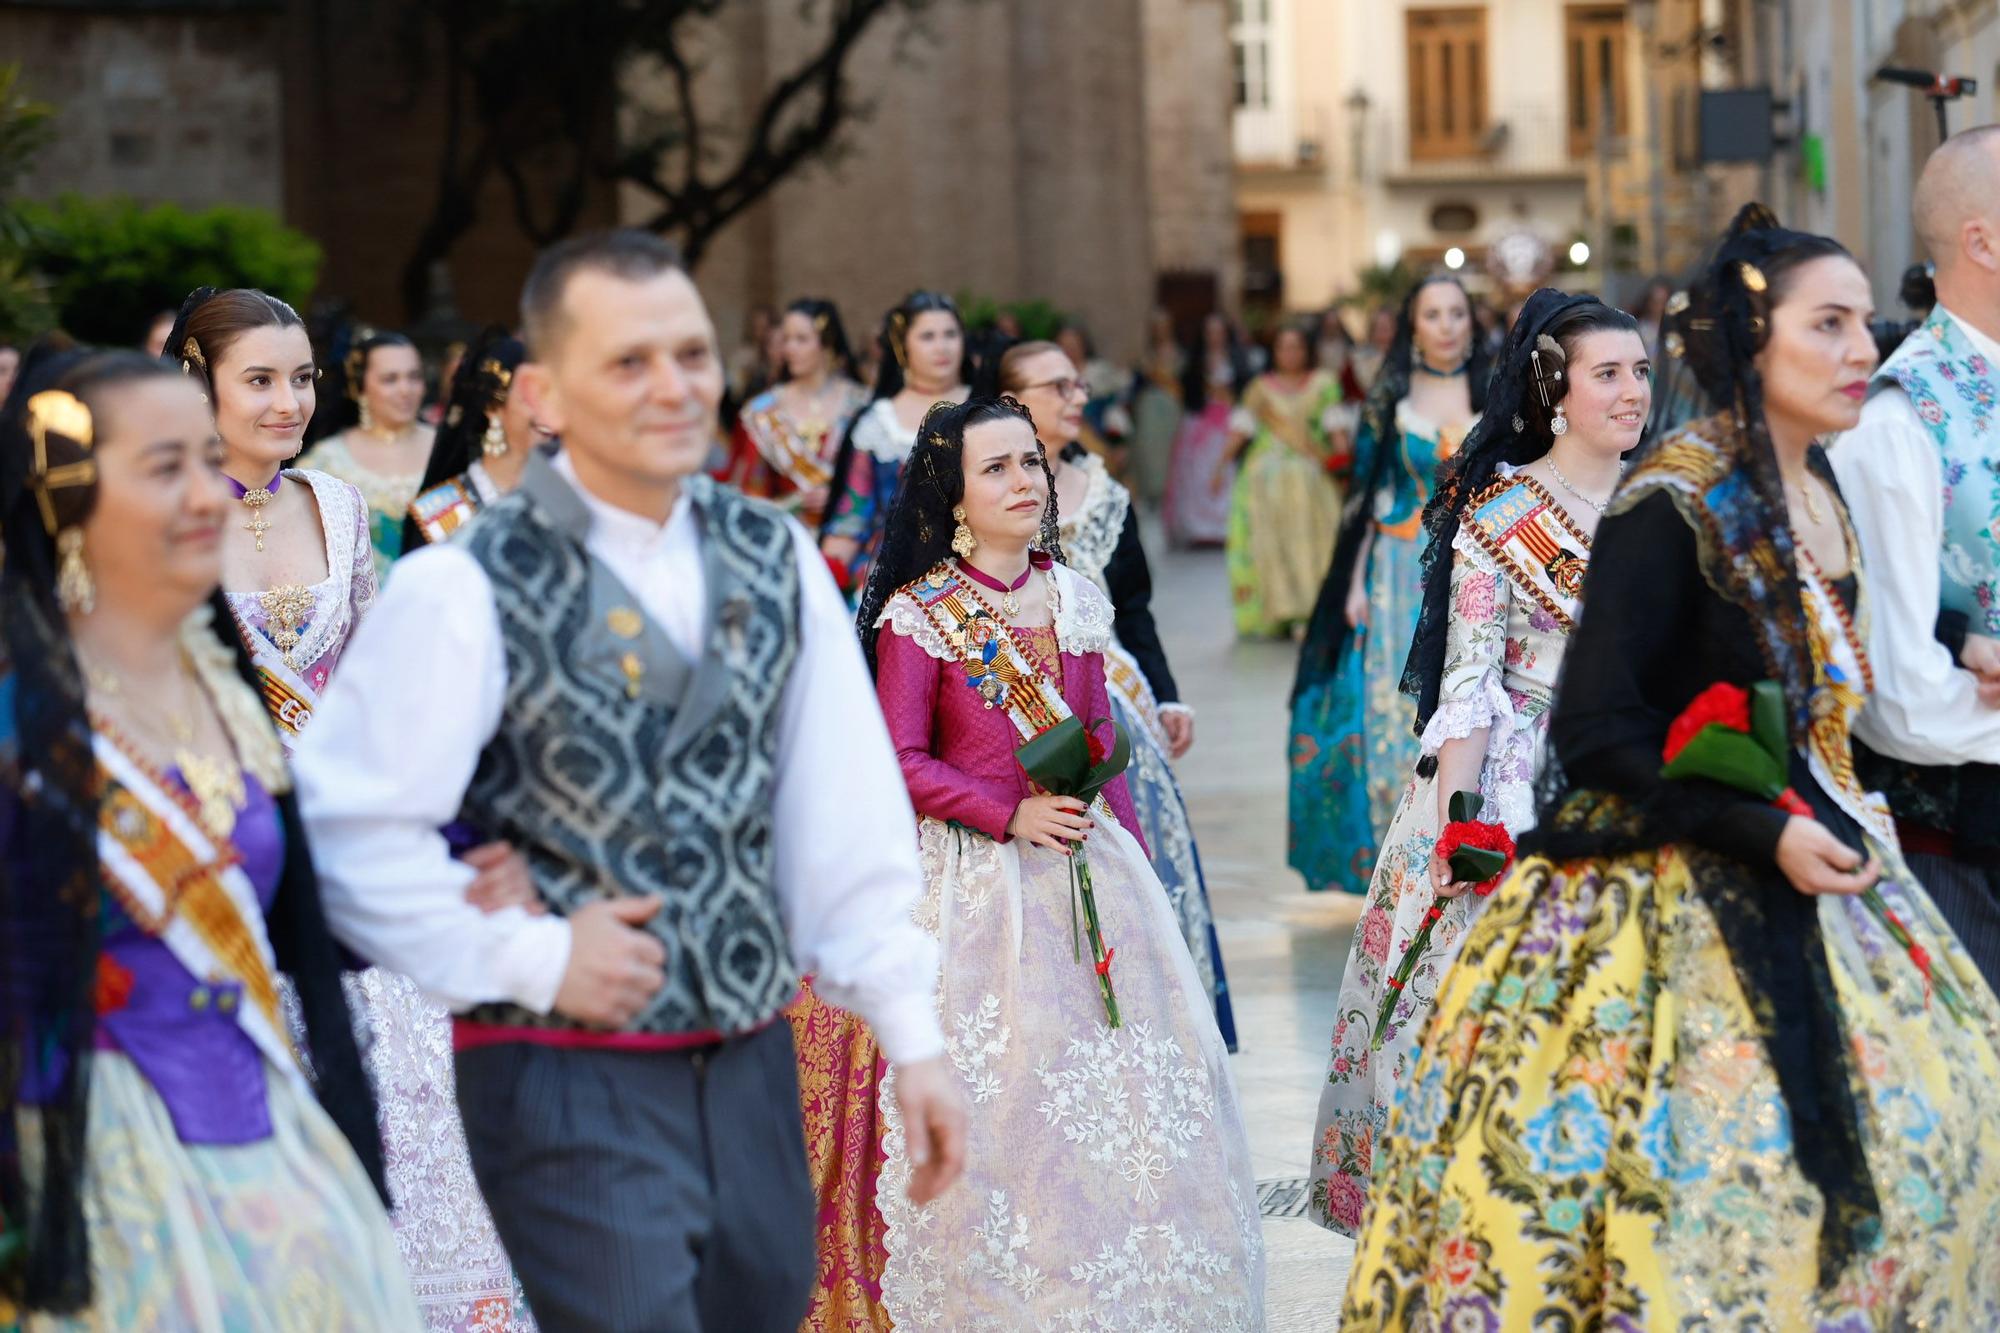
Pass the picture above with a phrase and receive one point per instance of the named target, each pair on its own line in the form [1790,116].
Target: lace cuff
[906,618]
[1455,719]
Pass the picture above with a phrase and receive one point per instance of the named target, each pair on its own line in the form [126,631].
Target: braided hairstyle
[1529,380]
[825,318]
[916,535]
[485,377]
[1327,632]
[894,340]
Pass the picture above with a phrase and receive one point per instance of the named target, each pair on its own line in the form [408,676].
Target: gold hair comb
[61,412]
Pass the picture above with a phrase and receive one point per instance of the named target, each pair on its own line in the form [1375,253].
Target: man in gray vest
[650,686]
[1921,474]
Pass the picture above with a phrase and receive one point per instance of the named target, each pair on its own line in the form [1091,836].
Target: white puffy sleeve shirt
[395,739]
[1925,708]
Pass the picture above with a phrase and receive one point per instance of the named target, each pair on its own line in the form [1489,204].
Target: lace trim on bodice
[881,435]
[1082,621]
[1090,535]
[333,610]
[385,493]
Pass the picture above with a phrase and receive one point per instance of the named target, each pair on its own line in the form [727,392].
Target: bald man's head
[1960,184]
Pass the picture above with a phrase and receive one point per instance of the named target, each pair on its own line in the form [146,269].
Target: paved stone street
[1284,948]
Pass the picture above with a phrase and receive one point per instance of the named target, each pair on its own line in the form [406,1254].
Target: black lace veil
[1327,631]
[1527,382]
[917,533]
[51,883]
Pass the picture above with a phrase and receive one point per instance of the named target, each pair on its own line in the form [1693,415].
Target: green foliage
[111,264]
[1038,318]
[1385,284]
[24,129]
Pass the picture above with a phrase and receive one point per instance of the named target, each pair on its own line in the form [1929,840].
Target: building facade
[1037,149]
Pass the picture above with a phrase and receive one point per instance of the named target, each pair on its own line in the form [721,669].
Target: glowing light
[1579,254]
[1454,258]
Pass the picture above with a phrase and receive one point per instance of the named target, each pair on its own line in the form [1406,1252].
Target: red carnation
[843,576]
[1723,704]
[1485,837]
[1099,751]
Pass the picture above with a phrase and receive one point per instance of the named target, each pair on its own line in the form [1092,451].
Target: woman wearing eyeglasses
[1100,537]
[1284,507]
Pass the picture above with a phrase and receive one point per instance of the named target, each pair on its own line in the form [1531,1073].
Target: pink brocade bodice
[958,754]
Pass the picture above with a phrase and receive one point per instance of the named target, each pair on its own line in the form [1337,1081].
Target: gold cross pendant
[258,524]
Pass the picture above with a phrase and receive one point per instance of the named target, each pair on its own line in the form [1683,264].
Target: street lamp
[1357,104]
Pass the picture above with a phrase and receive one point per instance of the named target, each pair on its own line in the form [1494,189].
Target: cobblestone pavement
[1284,948]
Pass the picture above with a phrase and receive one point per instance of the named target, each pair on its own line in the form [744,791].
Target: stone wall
[1008,150]
[180,108]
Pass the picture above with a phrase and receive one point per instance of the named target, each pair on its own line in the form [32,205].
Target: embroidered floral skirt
[1592,1135]
[840,1072]
[285,1233]
[1107,1180]
[1354,743]
[454,1256]
[1197,503]
[1284,513]
[1361,1082]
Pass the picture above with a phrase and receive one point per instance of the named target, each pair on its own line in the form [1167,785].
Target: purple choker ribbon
[239,490]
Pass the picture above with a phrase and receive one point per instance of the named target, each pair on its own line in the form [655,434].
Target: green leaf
[1731,758]
[1465,806]
[1767,722]
[1476,865]
[1059,758]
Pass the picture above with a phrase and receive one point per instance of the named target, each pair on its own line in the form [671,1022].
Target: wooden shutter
[1594,62]
[1447,75]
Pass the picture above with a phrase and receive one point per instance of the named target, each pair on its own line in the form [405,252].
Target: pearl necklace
[1570,486]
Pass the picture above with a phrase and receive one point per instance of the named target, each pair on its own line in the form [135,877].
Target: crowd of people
[647,838]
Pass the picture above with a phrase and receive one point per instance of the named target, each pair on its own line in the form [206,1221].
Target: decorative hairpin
[1677,303]
[1753,277]
[502,376]
[1549,347]
[819,322]
[60,412]
[191,357]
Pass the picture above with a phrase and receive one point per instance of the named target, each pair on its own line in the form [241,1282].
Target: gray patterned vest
[620,768]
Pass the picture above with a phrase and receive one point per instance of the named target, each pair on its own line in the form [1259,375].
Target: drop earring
[494,442]
[75,592]
[1559,424]
[963,543]
[367,422]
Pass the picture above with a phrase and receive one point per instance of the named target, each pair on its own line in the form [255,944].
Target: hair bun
[1753,216]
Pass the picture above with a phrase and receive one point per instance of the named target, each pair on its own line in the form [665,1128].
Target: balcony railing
[1516,143]
[1285,137]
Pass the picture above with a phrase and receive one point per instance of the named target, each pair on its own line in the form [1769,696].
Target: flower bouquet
[1737,737]
[1478,854]
[1070,759]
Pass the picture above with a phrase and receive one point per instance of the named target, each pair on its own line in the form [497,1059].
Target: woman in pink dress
[1198,480]
[1106,1165]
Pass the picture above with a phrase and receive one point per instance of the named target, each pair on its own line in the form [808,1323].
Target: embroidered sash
[993,662]
[795,455]
[444,509]
[287,697]
[1523,530]
[191,895]
[1842,681]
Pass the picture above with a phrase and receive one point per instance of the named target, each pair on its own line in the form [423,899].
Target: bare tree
[533,94]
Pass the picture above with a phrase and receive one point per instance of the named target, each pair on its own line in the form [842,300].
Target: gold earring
[75,592]
[494,442]
[963,544]
[367,418]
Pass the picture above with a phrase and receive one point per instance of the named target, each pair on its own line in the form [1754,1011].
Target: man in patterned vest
[1921,474]
[650,686]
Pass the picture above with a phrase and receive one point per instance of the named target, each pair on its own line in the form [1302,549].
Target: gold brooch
[624,622]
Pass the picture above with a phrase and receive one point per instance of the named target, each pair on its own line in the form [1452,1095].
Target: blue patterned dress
[1353,740]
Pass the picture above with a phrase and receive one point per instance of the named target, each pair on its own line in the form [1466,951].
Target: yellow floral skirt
[1592,1134]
